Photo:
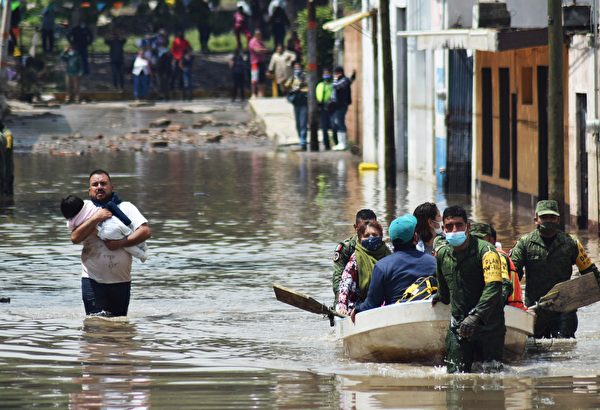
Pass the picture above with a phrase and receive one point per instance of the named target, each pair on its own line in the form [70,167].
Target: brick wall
[353,61]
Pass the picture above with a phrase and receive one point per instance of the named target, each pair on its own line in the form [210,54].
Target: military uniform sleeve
[491,297]
[507,287]
[584,263]
[518,255]
[443,292]
[341,256]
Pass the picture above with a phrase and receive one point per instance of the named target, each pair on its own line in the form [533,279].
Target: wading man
[470,280]
[106,266]
[547,255]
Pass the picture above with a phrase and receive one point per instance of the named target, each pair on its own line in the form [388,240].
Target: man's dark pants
[112,298]
[555,324]
[482,347]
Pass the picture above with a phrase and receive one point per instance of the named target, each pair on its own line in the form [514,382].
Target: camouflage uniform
[471,281]
[545,266]
[342,254]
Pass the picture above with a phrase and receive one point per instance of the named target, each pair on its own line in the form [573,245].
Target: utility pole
[556,174]
[4,36]
[375,45]
[388,97]
[311,68]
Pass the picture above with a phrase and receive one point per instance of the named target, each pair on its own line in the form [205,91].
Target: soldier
[547,255]
[345,249]
[470,280]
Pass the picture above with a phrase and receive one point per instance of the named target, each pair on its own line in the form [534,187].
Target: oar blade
[572,294]
[299,300]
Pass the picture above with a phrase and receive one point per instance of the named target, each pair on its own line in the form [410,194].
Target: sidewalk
[276,115]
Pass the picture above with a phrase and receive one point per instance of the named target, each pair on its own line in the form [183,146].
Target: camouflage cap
[547,207]
[480,230]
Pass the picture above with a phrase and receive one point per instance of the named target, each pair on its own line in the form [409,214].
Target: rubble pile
[162,134]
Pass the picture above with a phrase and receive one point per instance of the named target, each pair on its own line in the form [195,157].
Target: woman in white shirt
[141,76]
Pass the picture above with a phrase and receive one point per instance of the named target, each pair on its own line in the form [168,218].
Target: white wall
[581,81]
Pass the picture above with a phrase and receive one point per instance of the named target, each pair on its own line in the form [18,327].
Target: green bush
[325,39]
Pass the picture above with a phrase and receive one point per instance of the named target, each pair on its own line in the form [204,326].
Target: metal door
[459,123]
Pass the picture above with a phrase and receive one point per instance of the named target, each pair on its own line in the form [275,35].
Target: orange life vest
[516,298]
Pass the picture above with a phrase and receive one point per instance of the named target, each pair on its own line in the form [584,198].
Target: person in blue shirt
[393,274]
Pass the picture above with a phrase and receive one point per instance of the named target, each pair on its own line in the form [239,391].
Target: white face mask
[438,229]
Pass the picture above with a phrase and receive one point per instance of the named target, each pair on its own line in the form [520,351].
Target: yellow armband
[492,270]
[504,268]
[583,261]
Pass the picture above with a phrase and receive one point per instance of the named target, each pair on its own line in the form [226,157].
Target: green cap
[547,207]
[403,228]
[480,230]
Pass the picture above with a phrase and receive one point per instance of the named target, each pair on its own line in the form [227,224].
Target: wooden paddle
[572,294]
[304,302]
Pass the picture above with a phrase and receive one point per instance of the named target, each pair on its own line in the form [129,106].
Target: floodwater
[205,330]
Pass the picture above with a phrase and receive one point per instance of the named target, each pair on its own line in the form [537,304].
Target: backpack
[422,289]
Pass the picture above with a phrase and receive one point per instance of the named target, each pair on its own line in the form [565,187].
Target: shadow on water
[204,328]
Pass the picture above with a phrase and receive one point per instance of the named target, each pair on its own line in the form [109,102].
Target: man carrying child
[106,266]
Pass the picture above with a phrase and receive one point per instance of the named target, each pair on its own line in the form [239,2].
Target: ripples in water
[204,329]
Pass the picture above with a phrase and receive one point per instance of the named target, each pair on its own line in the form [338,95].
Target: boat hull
[416,332]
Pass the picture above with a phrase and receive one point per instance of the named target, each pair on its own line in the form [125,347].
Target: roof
[482,39]
[337,25]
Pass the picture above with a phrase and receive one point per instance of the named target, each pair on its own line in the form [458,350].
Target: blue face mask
[456,238]
[297,73]
[327,77]
[372,243]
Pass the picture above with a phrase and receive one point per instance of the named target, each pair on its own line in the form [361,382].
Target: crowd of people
[467,269]
[157,65]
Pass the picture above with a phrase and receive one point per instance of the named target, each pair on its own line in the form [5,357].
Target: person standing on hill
[240,24]
[258,69]
[116,42]
[73,71]
[280,67]
[239,72]
[204,16]
[81,37]
[48,16]
[179,47]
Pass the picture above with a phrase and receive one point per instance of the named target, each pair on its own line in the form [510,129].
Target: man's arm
[443,293]
[138,236]
[491,296]
[518,255]
[375,295]
[87,228]
[584,263]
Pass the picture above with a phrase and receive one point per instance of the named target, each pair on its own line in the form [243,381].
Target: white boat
[415,332]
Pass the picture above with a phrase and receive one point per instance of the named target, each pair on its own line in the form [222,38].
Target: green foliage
[325,39]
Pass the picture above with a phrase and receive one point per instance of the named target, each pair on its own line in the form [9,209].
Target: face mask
[548,228]
[326,77]
[297,73]
[438,230]
[456,238]
[372,243]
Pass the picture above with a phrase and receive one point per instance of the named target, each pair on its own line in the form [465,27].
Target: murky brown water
[205,330]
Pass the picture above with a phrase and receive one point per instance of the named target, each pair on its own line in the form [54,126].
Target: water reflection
[112,368]
[204,326]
